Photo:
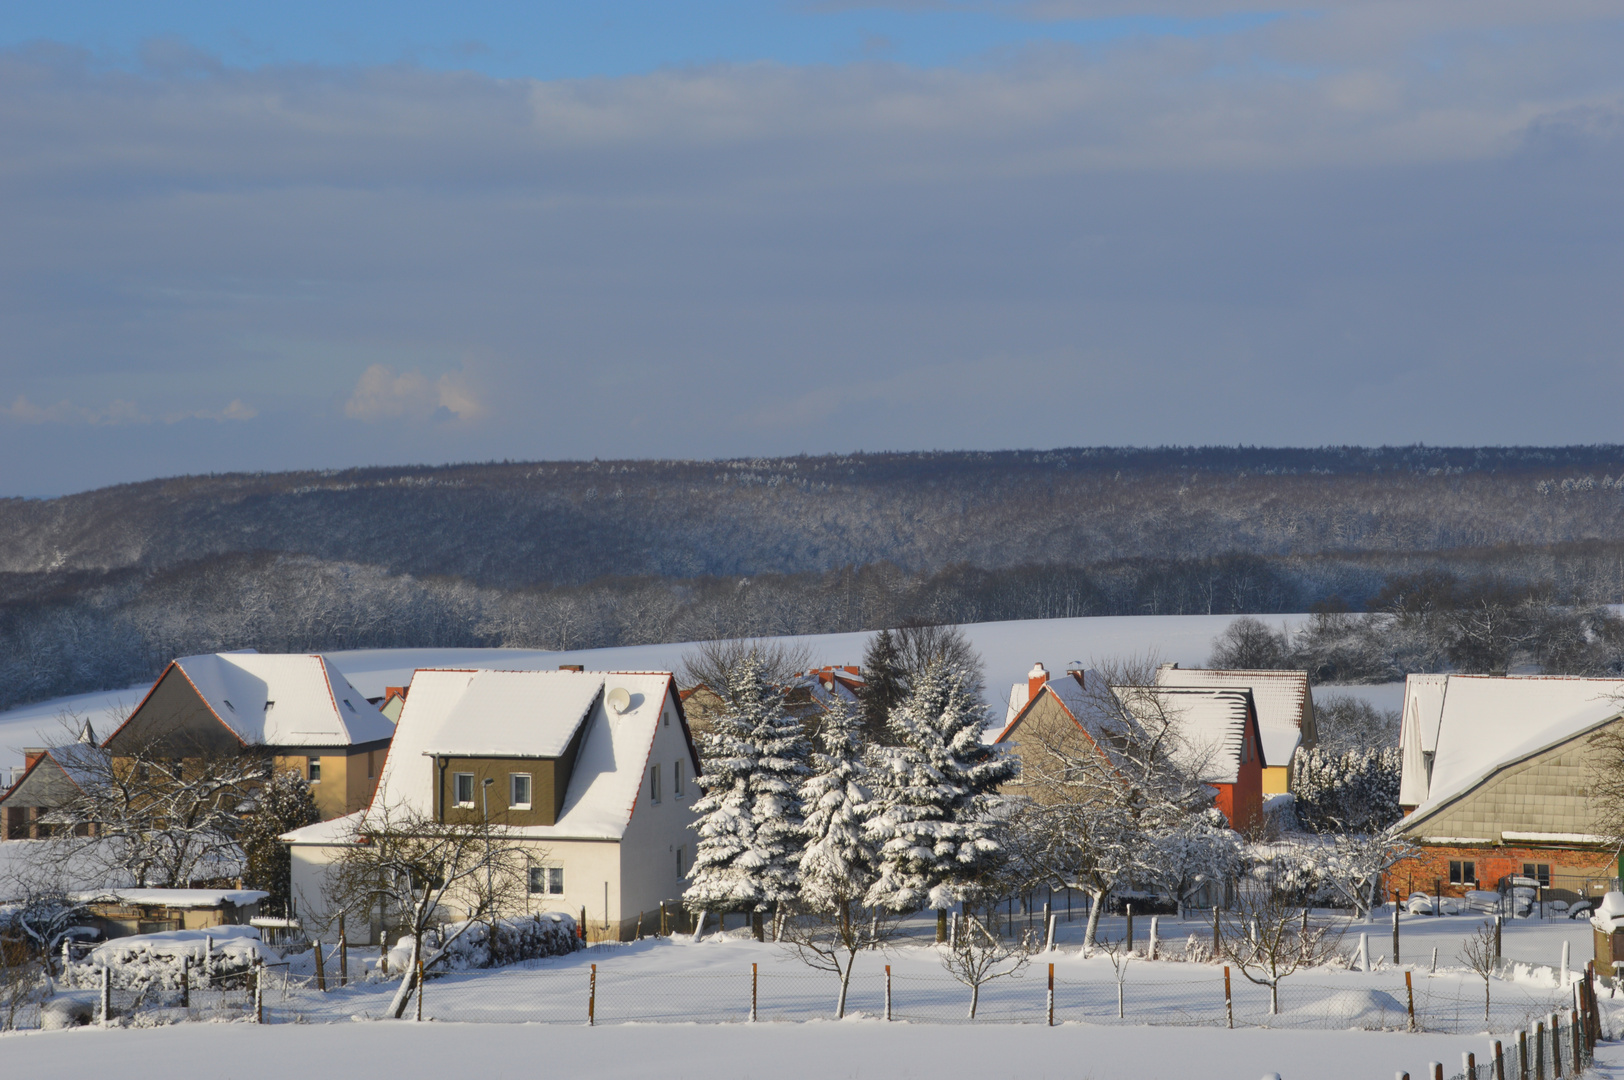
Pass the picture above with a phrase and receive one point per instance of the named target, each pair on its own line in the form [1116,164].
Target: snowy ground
[856,1049]
[1008,648]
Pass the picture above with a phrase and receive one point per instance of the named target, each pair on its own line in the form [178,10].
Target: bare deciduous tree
[713,663]
[977,956]
[426,873]
[1477,953]
[1268,938]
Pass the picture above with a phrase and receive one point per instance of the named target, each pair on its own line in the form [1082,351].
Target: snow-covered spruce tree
[749,819]
[282,805]
[837,866]
[939,819]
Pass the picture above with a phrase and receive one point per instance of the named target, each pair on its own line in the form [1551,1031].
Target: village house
[123,912]
[1495,782]
[1285,711]
[299,709]
[590,772]
[52,778]
[1050,719]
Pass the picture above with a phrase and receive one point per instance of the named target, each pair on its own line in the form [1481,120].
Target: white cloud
[381,394]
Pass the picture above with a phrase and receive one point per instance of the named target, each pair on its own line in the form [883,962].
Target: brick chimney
[29,757]
[1036,679]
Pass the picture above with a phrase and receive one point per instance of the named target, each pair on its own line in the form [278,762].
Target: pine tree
[884,687]
[837,866]
[938,821]
[750,816]
[284,803]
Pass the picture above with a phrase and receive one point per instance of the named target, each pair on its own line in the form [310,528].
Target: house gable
[1545,794]
[174,719]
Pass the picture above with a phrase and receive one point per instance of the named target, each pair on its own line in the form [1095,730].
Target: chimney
[1036,679]
[31,756]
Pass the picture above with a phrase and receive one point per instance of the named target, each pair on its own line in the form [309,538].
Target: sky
[301,235]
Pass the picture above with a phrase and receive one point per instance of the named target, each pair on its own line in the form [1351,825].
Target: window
[372,768]
[667,717]
[546,881]
[269,705]
[1462,872]
[313,770]
[654,783]
[679,861]
[1540,872]
[677,783]
[519,790]
[462,788]
[348,706]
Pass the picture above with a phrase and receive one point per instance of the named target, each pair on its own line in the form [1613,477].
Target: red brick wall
[1430,870]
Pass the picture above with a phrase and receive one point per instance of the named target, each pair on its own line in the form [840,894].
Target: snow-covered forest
[97,589]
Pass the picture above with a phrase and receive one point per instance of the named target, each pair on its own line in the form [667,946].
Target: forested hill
[98,588]
[507,525]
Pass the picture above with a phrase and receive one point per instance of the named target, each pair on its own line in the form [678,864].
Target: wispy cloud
[382,394]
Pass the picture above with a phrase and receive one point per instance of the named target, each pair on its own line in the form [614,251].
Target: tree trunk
[1274,998]
[845,984]
[975,997]
[408,980]
[1485,1001]
[1096,901]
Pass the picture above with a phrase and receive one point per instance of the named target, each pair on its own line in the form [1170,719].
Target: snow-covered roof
[1211,726]
[1418,733]
[173,898]
[522,714]
[1210,723]
[1487,722]
[1281,699]
[284,699]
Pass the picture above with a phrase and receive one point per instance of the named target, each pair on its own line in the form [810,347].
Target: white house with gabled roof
[591,772]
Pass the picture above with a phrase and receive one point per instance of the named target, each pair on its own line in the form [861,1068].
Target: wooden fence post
[1128,947]
[665,929]
[1522,1055]
[1409,994]
[1216,943]
[1497,928]
[1229,1002]
[1556,1044]
[344,953]
[186,981]
[1395,926]
[592,999]
[639,935]
[888,991]
[1435,1070]
[1578,1043]
[1051,995]
[1468,1062]
[259,996]
[321,969]
[1499,1059]
[754,985]
[1539,1049]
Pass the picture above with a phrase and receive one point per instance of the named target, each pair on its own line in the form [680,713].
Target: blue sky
[299,235]
[550,40]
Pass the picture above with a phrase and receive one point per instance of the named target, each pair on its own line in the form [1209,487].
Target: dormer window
[269,705]
[229,705]
[348,706]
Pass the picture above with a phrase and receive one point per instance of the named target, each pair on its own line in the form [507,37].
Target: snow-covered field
[1008,648]
[860,1049]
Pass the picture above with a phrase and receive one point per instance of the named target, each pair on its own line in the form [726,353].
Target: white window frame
[513,790]
[312,770]
[654,783]
[456,796]
[548,873]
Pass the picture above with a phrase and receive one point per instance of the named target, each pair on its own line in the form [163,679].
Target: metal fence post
[259,998]
[1051,995]
[754,976]
[106,996]
[1229,1002]
[1128,947]
[344,953]
[1497,928]
[592,998]
[1395,926]
[422,985]
[1409,994]
[888,991]
[186,981]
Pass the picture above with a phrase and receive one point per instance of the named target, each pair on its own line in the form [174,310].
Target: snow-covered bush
[528,938]
[1352,792]
[156,961]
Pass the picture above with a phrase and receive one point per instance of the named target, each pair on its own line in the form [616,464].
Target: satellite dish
[619,700]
